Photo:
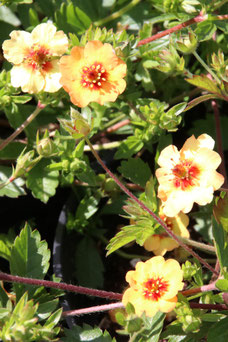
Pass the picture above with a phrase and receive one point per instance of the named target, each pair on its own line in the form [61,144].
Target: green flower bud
[24,163]
[170,61]
[187,44]
[78,165]
[78,127]
[45,147]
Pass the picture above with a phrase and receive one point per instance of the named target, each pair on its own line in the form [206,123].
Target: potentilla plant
[122,77]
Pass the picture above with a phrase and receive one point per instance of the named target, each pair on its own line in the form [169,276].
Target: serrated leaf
[153,328]
[221,243]
[204,82]
[42,182]
[200,99]
[129,147]
[139,232]
[89,265]
[86,333]
[14,189]
[136,170]
[29,258]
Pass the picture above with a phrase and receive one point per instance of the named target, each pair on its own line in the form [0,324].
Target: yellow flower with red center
[159,244]
[35,57]
[188,175]
[93,74]
[153,286]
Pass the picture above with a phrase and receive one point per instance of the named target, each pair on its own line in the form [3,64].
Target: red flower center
[185,174]
[155,288]
[93,77]
[39,58]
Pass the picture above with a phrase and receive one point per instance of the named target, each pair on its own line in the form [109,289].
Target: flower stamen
[155,288]
[185,175]
[92,77]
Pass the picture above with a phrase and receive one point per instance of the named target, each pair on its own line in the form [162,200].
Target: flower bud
[187,44]
[170,61]
[24,163]
[78,127]
[45,147]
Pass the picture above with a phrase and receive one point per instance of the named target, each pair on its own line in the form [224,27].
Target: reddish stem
[204,288]
[178,27]
[144,207]
[62,286]
[208,306]
[92,309]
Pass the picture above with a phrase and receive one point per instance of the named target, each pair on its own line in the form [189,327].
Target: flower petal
[30,80]
[16,48]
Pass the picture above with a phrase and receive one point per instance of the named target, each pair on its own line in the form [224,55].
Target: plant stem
[117,14]
[92,309]
[199,245]
[176,28]
[62,286]
[105,146]
[22,127]
[206,67]
[208,306]
[114,121]
[144,207]
[222,167]
[204,288]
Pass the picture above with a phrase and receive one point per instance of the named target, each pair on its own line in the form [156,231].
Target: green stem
[144,207]
[199,245]
[206,67]
[113,121]
[22,127]
[105,146]
[117,14]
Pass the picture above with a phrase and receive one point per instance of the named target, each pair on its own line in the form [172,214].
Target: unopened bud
[78,127]
[45,147]
[187,44]
[24,163]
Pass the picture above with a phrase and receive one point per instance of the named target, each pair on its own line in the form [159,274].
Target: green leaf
[8,16]
[177,109]
[5,247]
[221,243]
[200,99]
[218,332]
[89,265]
[204,82]
[136,170]
[12,150]
[153,328]
[222,285]
[205,30]
[129,147]
[42,182]
[221,211]
[13,189]
[86,333]
[53,319]
[29,258]
[139,232]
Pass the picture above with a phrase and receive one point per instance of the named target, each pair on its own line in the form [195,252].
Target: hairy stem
[144,207]
[22,127]
[92,309]
[199,245]
[62,286]
[176,28]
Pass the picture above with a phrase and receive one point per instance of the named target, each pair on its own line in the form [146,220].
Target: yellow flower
[92,74]
[188,175]
[154,286]
[35,57]
[161,243]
